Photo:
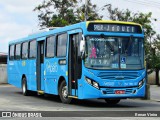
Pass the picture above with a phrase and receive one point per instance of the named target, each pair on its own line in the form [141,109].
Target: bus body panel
[31,81]
[50,70]
[14,71]
[53,72]
[108,87]
[89,90]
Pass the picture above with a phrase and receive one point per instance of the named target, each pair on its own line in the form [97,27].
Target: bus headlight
[91,82]
[88,81]
[141,83]
[95,84]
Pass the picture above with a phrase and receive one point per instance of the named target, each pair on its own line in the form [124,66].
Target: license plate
[119,91]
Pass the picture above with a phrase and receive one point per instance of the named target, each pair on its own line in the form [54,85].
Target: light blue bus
[88,60]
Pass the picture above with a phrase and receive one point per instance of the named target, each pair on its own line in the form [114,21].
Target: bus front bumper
[119,93]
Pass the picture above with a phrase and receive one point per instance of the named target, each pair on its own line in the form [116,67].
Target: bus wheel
[24,87]
[63,93]
[112,101]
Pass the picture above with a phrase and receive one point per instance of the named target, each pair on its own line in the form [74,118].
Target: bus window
[25,50]
[32,49]
[17,52]
[11,52]
[62,45]
[42,52]
[50,49]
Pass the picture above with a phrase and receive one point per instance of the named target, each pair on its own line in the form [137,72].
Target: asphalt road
[11,99]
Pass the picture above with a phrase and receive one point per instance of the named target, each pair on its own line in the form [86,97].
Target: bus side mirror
[82,48]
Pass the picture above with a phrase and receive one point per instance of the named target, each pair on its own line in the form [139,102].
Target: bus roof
[80,25]
[111,21]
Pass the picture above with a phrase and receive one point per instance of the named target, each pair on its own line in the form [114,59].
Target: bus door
[40,65]
[74,64]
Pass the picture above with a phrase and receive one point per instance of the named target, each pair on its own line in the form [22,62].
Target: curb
[4,84]
[154,86]
[155,100]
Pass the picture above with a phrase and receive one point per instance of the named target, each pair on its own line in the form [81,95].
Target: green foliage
[58,13]
[156,52]
[92,12]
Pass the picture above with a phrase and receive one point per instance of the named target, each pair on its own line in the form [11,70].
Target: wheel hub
[64,92]
[24,88]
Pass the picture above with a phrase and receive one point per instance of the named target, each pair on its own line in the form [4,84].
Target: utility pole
[86,10]
[147,95]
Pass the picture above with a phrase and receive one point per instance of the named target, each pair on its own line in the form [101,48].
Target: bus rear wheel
[25,91]
[63,93]
[112,101]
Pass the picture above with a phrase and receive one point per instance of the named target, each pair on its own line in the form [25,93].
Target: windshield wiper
[129,44]
[108,43]
[110,46]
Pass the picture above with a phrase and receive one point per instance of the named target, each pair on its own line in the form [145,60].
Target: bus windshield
[114,52]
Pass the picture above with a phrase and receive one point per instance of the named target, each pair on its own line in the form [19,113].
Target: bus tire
[112,101]
[25,91]
[63,93]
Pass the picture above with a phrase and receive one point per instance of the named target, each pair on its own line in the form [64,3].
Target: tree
[155,53]
[92,12]
[152,40]
[58,13]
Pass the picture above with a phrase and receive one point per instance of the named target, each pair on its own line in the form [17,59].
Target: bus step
[73,97]
[40,92]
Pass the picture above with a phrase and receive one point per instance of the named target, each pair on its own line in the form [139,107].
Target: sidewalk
[155,92]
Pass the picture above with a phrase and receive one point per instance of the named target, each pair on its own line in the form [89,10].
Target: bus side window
[11,52]
[50,47]
[18,51]
[61,45]
[25,50]
[32,49]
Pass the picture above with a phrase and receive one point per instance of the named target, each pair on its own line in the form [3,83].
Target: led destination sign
[107,27]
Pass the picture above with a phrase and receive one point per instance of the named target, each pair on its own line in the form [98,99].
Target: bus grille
[118,75]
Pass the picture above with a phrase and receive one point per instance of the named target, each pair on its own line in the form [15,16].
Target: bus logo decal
[23,63]
[51,67]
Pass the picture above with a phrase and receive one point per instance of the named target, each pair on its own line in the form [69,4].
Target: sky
[18,20]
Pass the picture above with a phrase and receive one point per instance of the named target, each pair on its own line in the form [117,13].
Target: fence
[3,73]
